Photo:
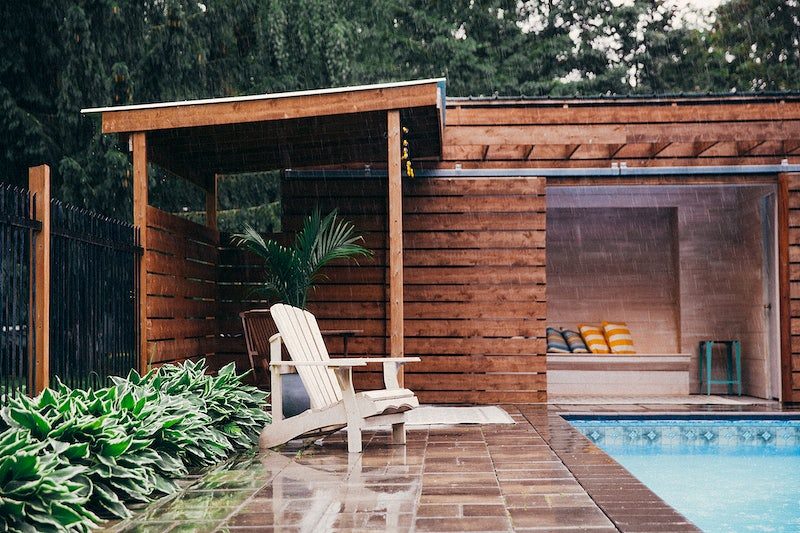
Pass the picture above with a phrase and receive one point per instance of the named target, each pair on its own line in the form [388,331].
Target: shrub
[129,441]
[41,492]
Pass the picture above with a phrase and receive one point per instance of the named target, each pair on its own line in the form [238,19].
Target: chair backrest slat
[303,340]
[258,328]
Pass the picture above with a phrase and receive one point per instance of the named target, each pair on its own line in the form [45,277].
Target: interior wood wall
[715,268]
[181,262]
[618,264]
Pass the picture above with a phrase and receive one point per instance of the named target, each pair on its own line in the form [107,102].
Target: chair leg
[354,439]
[399,433]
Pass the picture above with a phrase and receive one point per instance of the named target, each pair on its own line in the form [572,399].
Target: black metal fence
[16,234]
[93,312]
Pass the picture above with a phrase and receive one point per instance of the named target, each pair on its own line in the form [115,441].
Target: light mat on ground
[429,415]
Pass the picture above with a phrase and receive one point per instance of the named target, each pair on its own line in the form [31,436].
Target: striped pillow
[556,342]
[619,338]
[593,336]
[575,341]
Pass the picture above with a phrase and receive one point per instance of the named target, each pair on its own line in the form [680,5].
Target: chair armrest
[330,363]
[398,360]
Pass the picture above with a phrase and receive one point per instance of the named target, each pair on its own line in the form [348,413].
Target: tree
[759,41]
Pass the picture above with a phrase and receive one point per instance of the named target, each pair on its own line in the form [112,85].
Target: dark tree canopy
[58,56]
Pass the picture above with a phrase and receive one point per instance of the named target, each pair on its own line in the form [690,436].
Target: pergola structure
[201,139]
[460,274]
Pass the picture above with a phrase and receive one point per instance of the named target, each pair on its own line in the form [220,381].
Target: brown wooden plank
[641,112]
[496,294]
[140,220]
[477,328]
[465,204]
[173,286]
[180,246]
[240,112]
[164,307]
[475,239]
[180,328]
[156,218]
[622,133]
[787,290]
[396,238]
[159,263]
[494,275]
[39,186]
[483,397]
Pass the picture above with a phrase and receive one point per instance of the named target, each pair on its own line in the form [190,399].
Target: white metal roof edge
[267,96]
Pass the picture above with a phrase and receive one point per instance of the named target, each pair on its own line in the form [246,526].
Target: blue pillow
[575,341]
[556,342]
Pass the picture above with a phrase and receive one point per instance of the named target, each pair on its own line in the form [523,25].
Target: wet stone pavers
[539,474]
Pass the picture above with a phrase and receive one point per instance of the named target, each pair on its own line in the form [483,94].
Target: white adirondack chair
[329,382]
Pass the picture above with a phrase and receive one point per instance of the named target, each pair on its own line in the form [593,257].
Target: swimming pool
[724,474]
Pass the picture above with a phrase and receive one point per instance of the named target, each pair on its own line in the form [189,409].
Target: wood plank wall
[792,234]
[475,289]
[474,282]
[181,262]
[571,133]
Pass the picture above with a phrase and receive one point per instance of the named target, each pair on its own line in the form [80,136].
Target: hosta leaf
[117,447]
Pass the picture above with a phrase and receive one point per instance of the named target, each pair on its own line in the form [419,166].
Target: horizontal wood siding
[181,263]
[579,133]
[793,234]
[474,269]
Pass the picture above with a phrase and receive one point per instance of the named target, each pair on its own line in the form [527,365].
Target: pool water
[724,474]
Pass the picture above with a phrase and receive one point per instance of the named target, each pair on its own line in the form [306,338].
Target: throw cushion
[619,338]
[556,342]
[594,338]
[575,341]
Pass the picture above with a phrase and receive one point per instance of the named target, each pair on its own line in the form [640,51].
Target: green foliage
[58,56]
[292,271]
[39,490]
[121,444]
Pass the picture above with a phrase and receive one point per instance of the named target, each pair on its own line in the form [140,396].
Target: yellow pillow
[593,336]
[619,338]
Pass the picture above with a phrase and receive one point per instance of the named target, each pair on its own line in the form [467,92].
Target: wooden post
[211,203]
[784,317]
[395,238]
[140,182]
[39,185]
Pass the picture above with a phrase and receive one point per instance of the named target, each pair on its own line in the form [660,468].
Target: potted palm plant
[292,271]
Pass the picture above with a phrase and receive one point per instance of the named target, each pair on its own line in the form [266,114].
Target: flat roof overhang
[197,139]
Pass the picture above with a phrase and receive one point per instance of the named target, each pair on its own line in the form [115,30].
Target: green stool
[734,353]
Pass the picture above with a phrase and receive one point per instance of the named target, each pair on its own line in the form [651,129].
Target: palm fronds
[292,271]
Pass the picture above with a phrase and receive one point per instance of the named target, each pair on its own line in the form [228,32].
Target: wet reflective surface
[539,474]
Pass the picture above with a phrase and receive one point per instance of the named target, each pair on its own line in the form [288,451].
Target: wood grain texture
[140,212]
[180,270]
[579,133]
[39,186]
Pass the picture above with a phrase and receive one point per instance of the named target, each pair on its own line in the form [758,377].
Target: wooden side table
[345,334]
[734,354]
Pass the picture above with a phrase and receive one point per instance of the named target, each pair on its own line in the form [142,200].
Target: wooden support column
[395,238]
[140,182]
[784,287]
[211,203]
[39,186]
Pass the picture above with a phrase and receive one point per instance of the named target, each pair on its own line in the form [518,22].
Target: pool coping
[627,502]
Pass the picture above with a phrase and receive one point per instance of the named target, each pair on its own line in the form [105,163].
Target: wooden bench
[618,375]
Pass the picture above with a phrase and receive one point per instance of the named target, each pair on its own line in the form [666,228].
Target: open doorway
[679,264]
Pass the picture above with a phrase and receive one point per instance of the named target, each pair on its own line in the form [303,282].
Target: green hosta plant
[39,490]
[291,271]
[236,410]
[124,443]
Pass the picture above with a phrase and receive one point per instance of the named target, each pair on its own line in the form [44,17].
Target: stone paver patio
[537,475]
